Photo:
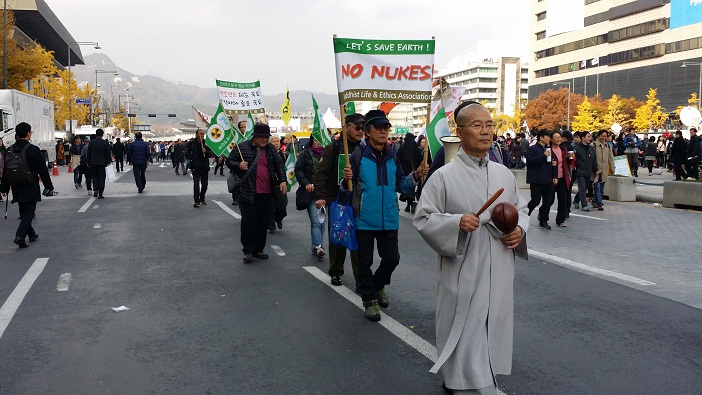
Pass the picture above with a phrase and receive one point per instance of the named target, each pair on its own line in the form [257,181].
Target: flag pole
[426,125]
[342,109]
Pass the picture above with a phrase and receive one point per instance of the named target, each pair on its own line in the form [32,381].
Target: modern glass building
[619,47]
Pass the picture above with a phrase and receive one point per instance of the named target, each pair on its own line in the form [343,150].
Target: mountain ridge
[153,94]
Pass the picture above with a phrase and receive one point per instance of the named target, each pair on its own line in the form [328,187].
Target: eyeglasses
[479,126]
[356,127]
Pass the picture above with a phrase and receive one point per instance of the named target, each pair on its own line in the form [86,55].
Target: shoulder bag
[234,180]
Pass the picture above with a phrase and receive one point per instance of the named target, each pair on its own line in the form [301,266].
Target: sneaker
[383,300]
[203,202]
[33,238]
[336,281]
[372,312]
[544,225]
[76,185]
[585,208]
[196,204]
[260,255]
[95,193]
[90,192]
[600,208]
[576,205]
[319,252]
[562,225]
[248,258]
[279,223]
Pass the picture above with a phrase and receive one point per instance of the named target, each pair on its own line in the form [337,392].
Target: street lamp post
[70,98]
[566,83]
[114,72]
[699,91]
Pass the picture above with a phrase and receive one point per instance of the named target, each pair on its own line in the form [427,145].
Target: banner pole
[342,109]
[426,126]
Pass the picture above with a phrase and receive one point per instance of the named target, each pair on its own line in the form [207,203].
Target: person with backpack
[23,165]
[377,175]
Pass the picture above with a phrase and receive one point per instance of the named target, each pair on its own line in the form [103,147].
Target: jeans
[370,283]
[254,222]
[187,166]
[26,211]
[88,172]
[77,176]
[200,177]
[316,229]
[139,176]
[582,187]
[599,189]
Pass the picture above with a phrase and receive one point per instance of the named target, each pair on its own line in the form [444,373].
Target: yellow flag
[286,107]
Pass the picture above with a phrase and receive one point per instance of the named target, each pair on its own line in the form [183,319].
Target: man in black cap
[256,190]
[326,187]
[376,175]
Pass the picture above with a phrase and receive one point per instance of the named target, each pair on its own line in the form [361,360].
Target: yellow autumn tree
[25,59]
[650,115]
[55,88]
[615,113]
[586,119]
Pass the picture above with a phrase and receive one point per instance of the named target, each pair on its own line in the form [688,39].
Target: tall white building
[619,47]
[501,83]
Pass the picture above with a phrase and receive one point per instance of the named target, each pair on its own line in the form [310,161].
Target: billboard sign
[685,13]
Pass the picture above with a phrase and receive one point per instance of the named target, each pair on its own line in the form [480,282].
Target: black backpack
[17,167]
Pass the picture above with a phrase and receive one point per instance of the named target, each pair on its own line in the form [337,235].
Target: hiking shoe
[248,258]
[319,252]
[383,300]
[372,312]
[336,281]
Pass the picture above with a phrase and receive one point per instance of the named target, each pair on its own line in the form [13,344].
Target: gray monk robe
[475,271]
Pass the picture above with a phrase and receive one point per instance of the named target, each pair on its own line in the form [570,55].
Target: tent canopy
[330,120]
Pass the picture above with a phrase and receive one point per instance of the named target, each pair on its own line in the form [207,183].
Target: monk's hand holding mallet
[469,223]
[513,239]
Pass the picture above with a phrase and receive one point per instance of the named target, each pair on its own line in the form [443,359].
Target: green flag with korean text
[319,129]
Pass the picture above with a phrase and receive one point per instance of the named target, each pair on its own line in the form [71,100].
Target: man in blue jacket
[138,154]
[377,177]
[541,176]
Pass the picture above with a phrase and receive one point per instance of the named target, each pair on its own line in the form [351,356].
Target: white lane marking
[583,216]
[278,250]
[397,329]
[567,262]
[97,226]
[86,205]
[95,207]
[227,209]
[8,310]
[64,282]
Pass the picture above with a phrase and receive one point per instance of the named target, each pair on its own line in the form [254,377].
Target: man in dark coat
[540,177]
[200,155]
[138,154]
[98,157]
[27,195]
[678,156]
[178,157]
[118,151]
[586,164]
[256,191]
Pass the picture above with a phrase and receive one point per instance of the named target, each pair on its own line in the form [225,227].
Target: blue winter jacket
[138,152]
[376,183]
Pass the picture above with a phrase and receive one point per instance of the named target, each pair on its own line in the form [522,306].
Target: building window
[641,29]
[541,35]
[541,16]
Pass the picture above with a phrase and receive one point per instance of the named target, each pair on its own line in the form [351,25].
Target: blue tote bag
[342,225]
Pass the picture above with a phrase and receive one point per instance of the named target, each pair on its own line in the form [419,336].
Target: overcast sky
[283,42]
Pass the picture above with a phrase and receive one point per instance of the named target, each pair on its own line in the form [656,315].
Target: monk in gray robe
[475,271]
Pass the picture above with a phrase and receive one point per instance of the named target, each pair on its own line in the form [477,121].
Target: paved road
[200,321]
